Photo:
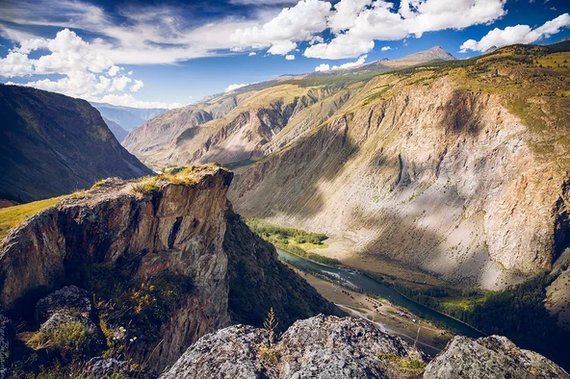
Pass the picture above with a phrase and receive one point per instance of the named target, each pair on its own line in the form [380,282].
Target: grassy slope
[12,216]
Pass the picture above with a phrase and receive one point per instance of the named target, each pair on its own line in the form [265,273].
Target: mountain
[149,266]
[52,144]
[127,117]
[116,129]
[457,169]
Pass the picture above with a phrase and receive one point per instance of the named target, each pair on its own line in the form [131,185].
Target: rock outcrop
[319,347]
[51,145]
[490,357]
[332,347]
[154,254]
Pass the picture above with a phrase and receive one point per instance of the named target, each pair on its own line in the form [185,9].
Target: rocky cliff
[52,144]
[330,347]
[442,169]
[160,258]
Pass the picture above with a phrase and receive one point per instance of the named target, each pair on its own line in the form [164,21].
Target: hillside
[239,125]
[454,154]
[116,129]
[127,117]
[52,144]
[142,269]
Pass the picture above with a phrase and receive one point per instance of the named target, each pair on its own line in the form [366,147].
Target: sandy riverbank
[430,339]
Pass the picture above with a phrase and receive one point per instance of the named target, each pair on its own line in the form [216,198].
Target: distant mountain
[127,117]
[51,144]
[490,50]
[436,53]
[117,130]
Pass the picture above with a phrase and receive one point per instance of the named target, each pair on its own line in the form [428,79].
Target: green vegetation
[12,216]
[72,340]
[295,237]
[404,364]
[146,188]
[517,312]
[294,241]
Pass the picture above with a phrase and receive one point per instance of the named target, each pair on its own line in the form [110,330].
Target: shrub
[146,188]
[71,339]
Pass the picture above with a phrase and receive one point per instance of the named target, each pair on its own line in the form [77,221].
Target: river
[366,284]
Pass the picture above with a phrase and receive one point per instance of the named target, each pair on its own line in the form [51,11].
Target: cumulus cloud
[325,67]
[252,54]
[86,72]
[161,34]
[517,34]
[233,87]
[386,48]
[290,57]
[281,34]
[366,22]
[322,67]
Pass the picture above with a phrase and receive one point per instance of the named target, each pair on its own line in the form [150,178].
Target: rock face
[440,168]
[233,128]
[332,347]
[490,357]
[319,347]
[52,144]
[158,250]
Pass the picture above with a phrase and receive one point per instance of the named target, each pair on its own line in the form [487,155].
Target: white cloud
[346,14]
[386,48]
[325,67]
[342,46]
[380,20]
[281,34]
[137,85]
[290,57]
[252,54]
[127,100]
[233,87]
[358,62]
[164,34]
[322,67]
[87,73]
[517,34]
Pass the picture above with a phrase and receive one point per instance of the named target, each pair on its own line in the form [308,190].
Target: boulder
[490,357]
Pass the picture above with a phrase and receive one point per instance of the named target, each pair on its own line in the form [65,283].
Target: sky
[149,53]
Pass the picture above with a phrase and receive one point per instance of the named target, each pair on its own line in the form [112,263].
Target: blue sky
[171,53]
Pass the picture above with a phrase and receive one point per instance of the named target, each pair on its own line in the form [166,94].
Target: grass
[404,364]
[294,241]
[12,216]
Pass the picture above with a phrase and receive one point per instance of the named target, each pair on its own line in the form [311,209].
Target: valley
[429,176]
[426,196]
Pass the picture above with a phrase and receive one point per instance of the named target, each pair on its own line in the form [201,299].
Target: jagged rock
[490,357]
[4,347]
[68,300]
[121,236]
[100,367]
[228,353]
[319,347]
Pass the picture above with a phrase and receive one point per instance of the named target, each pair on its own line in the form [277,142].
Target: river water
[368,285]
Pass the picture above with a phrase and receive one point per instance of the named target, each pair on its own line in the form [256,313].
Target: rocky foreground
[141,270]
[332,347]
